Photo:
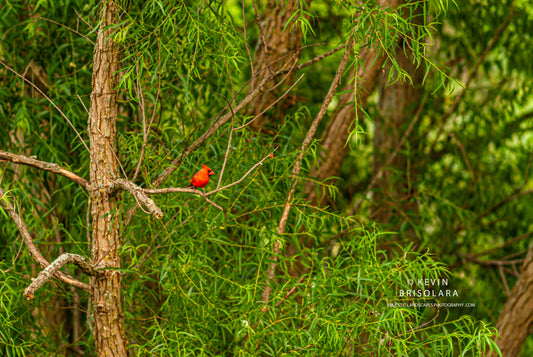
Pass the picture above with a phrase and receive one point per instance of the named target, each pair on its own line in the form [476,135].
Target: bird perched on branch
[201,178]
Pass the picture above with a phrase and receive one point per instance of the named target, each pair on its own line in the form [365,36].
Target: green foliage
[192,282]
[11,306]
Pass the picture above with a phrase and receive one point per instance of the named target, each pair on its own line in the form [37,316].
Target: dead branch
[67,27]
[272,104]
[54,269]
[147,128]
[43,165]
[28,240]
[141,197]
[228,148]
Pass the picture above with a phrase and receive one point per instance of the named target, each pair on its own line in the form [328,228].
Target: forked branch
[54,269]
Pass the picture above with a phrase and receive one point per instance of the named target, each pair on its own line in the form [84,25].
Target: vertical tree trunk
[338,129]
[281,50]
[516,320]
[393,197]
[104,205]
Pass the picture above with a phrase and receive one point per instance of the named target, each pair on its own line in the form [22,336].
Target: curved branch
[28,240]
[53,269]
[43,165]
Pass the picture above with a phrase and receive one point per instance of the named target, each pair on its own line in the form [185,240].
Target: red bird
[201,178]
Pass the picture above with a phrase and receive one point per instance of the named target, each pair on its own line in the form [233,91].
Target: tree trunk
[280,50]
[338,129]
[516,320]
[393,196]
[109,329]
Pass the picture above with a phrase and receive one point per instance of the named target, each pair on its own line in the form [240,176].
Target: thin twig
[68,28]
[491,262]
[246,40]
[271,104]
[504,280]
[140,95]
[49,100]
[501,246]
[465,156]
[290,292]
[228,148]
[147,127]
[320,57]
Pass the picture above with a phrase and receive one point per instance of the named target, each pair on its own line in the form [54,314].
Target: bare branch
[272,104]
[246,39]
[140,95]
[141,197]
[228,148]
[68,28]
[28,240]
[213,203]
[319,57]
[43,165]
[472,258]
[500,247]
[54,269]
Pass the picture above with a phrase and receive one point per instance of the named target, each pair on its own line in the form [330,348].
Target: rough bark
[516,320]
[109,330]
[278,48]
